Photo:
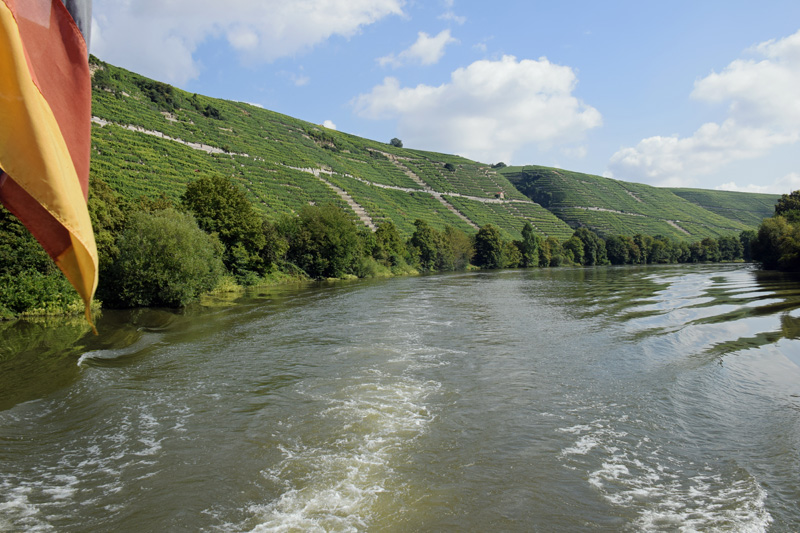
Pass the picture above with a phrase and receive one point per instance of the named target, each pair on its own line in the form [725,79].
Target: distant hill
[747,208]
[151,139]
[617,207]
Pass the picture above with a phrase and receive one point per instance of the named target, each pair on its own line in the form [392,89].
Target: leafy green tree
[594,248]
[326,243]
[390,248]
[617,250]
[529,246]
[661,250]
[489,248]
[644,243]
[458,246]
[426,243]
[730,248]
[221,207]
[397,143]
[275,245]
[553,252]
[774,243]
[747,237]
[512,257]
[164,259]
[573,250]
[788,206]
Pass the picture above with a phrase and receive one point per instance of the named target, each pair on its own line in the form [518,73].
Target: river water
[609,399]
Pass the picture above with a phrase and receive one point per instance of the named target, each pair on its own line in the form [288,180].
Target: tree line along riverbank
[157,252]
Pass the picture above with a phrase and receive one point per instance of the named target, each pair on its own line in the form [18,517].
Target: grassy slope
[263,146]
[617,207]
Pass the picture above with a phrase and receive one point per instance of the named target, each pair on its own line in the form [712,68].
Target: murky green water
[618,399]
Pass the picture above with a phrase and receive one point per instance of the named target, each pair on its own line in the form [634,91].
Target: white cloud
[426,50]
[329,124]
[488,110]
[159,38]
[763,113]
[452,17]
[783,185]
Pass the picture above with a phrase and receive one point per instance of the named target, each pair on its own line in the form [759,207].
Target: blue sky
[683,93]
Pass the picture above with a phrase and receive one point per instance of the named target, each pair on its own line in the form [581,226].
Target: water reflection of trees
[655,301]
[772,293]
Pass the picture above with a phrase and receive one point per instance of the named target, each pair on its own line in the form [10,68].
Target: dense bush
[31,292]
[164,259]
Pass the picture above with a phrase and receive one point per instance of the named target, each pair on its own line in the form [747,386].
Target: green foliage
[222,208]
[108,213]
[747,238]
[164,259]
[730,248]
[489,249]
[552,253]
[397,143]
[573,250]
[324,242]
[19,251]
[426,244]
[594,248]
[788,206]
[32,292]
[777,246]
[161,94]
[459,249]
[621,250]
[529,247]
[389,249]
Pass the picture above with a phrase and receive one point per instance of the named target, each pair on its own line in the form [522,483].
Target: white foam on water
[147,339]
[666,493]
[336,485]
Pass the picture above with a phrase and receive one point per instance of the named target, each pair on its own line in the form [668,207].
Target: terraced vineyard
[613,207]
[152,139]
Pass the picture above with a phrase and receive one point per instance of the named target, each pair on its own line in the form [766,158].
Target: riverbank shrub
[164,260]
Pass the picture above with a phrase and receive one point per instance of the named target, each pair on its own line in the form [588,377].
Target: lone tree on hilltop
[397,143]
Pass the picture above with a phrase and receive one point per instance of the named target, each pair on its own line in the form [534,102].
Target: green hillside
[152,139]
[613,207]
[747,208]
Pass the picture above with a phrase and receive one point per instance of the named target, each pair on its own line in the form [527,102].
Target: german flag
[45,128]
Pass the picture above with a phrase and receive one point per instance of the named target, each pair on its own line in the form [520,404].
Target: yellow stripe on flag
[34,154]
